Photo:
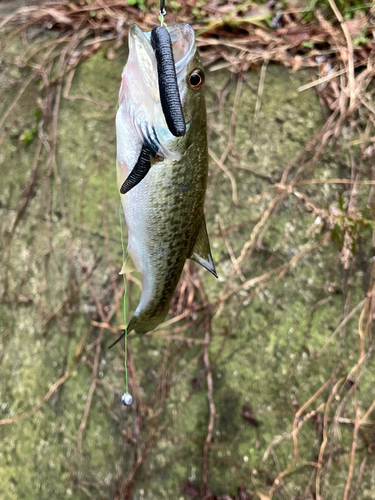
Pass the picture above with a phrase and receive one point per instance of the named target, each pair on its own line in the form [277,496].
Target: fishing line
[172,109]
[162,13]
[126,397]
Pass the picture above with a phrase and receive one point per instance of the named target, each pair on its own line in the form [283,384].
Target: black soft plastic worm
[168,88]
[140,169]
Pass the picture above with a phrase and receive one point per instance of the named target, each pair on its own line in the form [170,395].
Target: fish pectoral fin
[201,252]
[129,265]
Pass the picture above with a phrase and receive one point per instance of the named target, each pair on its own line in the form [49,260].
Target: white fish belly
[163,214]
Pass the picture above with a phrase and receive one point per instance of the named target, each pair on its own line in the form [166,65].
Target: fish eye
[196,79]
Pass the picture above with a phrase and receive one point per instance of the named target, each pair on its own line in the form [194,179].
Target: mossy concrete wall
[61,254]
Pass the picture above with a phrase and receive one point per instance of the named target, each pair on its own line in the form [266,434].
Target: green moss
[266,348]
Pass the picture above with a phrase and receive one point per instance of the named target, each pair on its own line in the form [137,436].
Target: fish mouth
[139,96]
[183,46]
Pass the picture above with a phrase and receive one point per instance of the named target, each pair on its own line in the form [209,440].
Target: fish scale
[177,234]
[164,212]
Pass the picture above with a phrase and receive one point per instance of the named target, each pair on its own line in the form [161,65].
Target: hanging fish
[162,164]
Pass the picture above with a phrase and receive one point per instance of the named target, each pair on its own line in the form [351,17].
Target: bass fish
[162,168]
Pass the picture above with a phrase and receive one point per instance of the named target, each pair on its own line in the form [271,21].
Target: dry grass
[239,41]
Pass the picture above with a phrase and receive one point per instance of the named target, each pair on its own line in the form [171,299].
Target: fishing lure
[162,165]
[168,88]
[170,104]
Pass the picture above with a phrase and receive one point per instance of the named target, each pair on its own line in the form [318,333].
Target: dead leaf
[296,37]
[224,9]
[355,26]
[297,63]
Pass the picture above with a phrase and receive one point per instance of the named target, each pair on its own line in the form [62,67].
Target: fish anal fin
[129,265]
[201,252]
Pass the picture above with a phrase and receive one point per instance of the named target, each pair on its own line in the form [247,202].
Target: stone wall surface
[59,283]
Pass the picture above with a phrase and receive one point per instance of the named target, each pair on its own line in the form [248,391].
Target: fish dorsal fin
[201,252]
[129,265]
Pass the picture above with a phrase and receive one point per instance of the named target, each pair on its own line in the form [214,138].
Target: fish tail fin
[136,325]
